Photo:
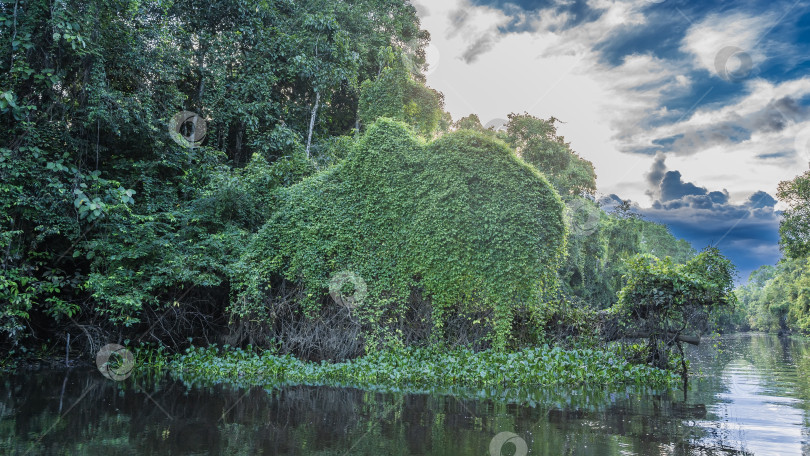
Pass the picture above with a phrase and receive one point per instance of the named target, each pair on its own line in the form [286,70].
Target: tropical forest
[254,227]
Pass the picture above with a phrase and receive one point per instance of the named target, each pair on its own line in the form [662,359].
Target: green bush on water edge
[420,368]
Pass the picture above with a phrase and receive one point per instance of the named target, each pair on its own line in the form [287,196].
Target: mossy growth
[461,219]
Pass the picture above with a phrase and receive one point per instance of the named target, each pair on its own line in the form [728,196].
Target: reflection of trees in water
[775,361]
[120,418]
[658,425]
[744,366]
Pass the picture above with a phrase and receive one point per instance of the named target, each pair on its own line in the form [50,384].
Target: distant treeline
[777,298]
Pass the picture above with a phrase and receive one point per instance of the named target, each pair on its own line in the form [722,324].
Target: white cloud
[612,112]
[705,39]
[707,151]
[579,40]
[552,74]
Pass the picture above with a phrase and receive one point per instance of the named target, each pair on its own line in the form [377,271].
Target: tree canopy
[537,142]
[326,205]
[795,226]
[777,298]
[661,300]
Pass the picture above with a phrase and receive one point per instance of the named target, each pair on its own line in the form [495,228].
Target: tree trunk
[312,120]
[611,331]
[692,340]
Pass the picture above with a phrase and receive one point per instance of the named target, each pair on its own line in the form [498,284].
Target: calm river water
[752,397]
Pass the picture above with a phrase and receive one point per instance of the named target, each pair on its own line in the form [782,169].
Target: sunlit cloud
[639,87]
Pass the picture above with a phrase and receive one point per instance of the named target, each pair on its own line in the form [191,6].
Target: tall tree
[795,226]
[537,142]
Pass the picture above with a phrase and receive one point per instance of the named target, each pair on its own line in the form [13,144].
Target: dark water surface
[752,397]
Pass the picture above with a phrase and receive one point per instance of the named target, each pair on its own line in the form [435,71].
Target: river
[750,394]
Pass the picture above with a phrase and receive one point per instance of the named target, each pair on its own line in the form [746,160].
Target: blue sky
[693,110]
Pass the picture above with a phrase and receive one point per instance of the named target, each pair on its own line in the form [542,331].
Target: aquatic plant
[415,368]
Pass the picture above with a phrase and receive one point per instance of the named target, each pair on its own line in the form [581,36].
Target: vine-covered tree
[395,93]
[445,234]
[667,303]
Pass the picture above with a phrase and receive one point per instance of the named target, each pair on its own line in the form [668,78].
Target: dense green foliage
[107,222]
[656,286]
[536,140]
[795,226]
[777,298]
[327,205]
[661,300]
[601,244]
[456,218]
[414,369]
[397,95]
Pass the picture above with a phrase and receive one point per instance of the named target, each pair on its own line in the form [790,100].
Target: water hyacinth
[420,368]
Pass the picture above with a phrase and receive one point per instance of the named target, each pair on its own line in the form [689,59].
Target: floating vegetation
[418,369]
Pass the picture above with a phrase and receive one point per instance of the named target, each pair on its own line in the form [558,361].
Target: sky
[693,110]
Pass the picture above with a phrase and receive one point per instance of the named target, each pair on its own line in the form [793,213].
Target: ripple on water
[757,413]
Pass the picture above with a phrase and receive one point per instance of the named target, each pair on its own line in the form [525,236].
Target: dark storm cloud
[674,193]
[720,197]
[748,232]
[735,127]
[745,233]
[656,175]
[478,47]
[761,200]
[777,115]
[674,188]
[700,139]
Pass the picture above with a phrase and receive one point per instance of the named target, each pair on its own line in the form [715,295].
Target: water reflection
[763,422]
[750,399]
